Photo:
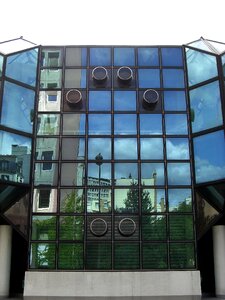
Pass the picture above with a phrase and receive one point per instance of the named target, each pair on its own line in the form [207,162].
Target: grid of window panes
[112,176]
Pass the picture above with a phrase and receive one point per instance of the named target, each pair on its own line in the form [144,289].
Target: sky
[117,22]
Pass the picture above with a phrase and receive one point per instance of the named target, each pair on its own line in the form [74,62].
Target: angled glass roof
[208,45]
[15,45]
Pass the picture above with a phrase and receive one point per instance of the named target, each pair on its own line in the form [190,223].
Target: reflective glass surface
[100,56]
[154,256]
[17,107]
[74,124]
[126,200]
[45,200]
[173,78]
[150,124]
[148,57]
[206,107]
[178,174]
[151,148]
[126,256]
[76,57]
[209,161]
[153,228]
[23,66]
[48,124]
[124,57]
[42,256]
[182,256]
[72,174]
[149,78]
[71,200]
[172,57]
[174,101]
[125,148]
[70,256]
[98,256]
[152,174]
[49,101]
[73,148]
[51,79]
[200,66]
[43,228]
[47,148]
[51,57]
[177,148]
[180,200]
[125,100]
[71,228]
[96,196]
[1,64]
[176,124]
[153,200]
[46,174]
[223,64]
[75,78]
[125,173]
[99,174]
[181,227]
[99,124]
[99,101]
[99,145]
[125,124]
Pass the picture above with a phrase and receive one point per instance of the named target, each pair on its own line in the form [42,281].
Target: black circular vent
[73,97]
[98,227]
[150,97]
[127,227]
[99,74]
[125,74]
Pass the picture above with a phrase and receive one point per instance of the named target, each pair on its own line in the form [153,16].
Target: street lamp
[98,160]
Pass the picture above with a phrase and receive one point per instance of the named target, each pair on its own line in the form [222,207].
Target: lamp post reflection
[99,159]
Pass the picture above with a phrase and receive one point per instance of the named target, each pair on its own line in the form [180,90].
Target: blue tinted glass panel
[176,124]
[148,78]
[209,153]
[201,66]
[17,107]
[99,124]
[1,64]
[23,66]
[180,200]
[100,56]
[152,174]
[150,124]
[172,57]
[99,100]
[178,173]
[125,148]
[148,57]
[124,57]
[99,145]
[125,173]
[173,78]
[174,100]
[125,100]
[74,124]
[125,124]
[177,148]
[15,152]
[151,148]
[206,109]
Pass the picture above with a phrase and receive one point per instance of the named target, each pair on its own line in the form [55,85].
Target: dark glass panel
[177,148]
[23,66]
[72,174]
[125,148]
[99,145]
[44,145]
[152,174]
[74,124]
[75,78]
[98,256]
[45,200]
[51,79]
[172,57]
[76,57]
[51,57]
[124,57]
[71,200]
[206,109]
[173,78]
[149,78]
[46,173]
[70,256]
[73,148]
[48,124]
[125,124]
[178,173]
[99,101]
[223,64]
[176,124]
[99,174]
[99,124]
[200,66]
[215,194]
[125,100]
[17,107]
[182,256]
[151,148]
[180,200]
[153,200]
[96,196]
[125,173]
[100,56]
[126,256]
[43,228]
[42,256]
[209,153]
[126,200]
[148,57]
[49,101]
[150,124]
[153,228]
[1,64]
[174,100]
[71,228]
[154,256]
[181,227]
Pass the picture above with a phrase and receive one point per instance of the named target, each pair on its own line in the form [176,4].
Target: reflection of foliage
[183,206]
[126,256]
[98,256]
[154,227]
[155,256]
[182,256]
[43,256]
[71,228]
[73,203]
[71,256]
[43,228]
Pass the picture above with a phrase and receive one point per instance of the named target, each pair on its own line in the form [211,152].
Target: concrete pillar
[5,258]
[219,259]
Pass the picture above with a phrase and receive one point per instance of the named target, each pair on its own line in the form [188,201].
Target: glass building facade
[116,152]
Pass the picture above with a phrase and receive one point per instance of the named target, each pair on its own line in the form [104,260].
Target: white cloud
[204,171]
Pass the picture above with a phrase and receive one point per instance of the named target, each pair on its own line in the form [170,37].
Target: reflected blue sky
[148,57]
[99,145]
[99,124]
[173,78]
[177,148]
[100,56]
[124,57]
[176,124]
[8,139]
[149,78]
[178,196]
[100,100]
[151,148]
[150,124]
[178,173]
[174,101]
[125,124]
[125,148]
[172,57]
[152,174]
[125,100]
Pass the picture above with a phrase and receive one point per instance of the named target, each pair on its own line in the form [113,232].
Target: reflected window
[76,57]
[73,148]
[172,57]
[50,145]
[124,57]
[49,101]
[48,124]
[75,78]
[100,56]
[180,200]
[173,78]
[42,256]
[43,228]
[174,101]
[72,174]
[209,161]
[125,100]
[17,107]
[126,200]
[176,124]
[148,57]
[153,200]
[99,124]
[51,57]
[71,200]
[177,148]
[150,124]
[153,228]
[46,174]
[149,78]
[125,174]
[99,101]
[71,228]
[45,200]
[125,124]
[99,174]
[99,145]
[178,173]
[151,148]
[99,197]
[74,124]
[152,174]
[125,148]
[206,109]
[51,79]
